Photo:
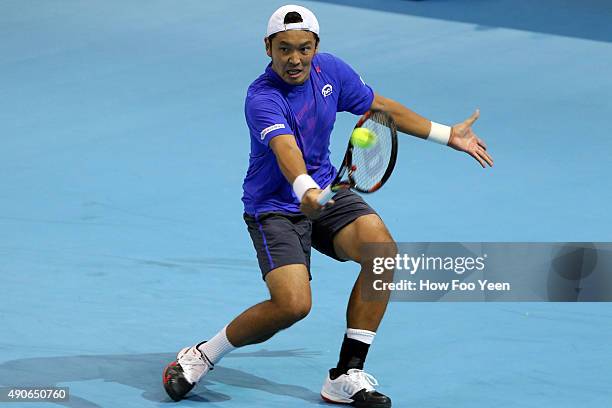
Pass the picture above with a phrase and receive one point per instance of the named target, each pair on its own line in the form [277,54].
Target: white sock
[364,336]
[217,347]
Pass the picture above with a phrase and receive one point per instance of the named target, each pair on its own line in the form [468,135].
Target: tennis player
[290,112]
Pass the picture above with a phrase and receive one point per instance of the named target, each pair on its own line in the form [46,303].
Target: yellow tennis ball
[363,137]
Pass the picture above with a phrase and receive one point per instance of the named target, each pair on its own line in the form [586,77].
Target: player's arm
[460,136]
[292,165]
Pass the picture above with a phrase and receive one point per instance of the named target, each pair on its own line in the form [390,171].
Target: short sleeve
[355,95]
[266,118]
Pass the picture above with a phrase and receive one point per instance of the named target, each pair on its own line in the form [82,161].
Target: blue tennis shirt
[308,112]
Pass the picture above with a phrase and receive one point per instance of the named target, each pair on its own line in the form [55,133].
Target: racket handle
[325,195]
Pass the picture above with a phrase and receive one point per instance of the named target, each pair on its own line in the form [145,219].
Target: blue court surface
[122,151]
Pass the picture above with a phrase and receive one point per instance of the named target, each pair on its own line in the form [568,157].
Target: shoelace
[361,378]
[195,358]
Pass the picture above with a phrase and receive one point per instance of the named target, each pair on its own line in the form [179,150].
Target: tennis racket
[366,169]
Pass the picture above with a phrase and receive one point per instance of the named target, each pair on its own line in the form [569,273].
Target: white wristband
[439,133]
[301,184]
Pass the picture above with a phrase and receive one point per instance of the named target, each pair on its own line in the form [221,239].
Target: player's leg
[363,313]
[283,250]
[367,229]
[290,301]
[363,316]
[350,225]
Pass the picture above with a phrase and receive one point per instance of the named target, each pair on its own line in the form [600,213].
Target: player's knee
[385,247]
[297,310]
[294,308]
[379,245]
[389,248]
[297,314]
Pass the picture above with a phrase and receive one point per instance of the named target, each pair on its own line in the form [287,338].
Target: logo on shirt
[327,90]
[270,129]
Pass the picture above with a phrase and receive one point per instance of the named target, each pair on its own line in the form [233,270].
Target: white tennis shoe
[182,375]
[356,387]
[195,364]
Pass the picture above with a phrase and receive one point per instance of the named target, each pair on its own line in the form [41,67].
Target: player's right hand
[310,203]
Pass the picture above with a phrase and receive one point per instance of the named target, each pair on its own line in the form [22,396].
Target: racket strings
[370,163]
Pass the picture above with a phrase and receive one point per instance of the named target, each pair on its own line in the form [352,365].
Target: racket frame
[347,166]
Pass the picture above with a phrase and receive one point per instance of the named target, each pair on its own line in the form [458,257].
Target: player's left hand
[464,139]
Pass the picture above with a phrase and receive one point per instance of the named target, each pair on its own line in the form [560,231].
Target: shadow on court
[144,372]
[589,19]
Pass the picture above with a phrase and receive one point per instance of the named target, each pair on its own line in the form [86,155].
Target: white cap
[276,24]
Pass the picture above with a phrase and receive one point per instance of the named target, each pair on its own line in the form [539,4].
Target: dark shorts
[284,239]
